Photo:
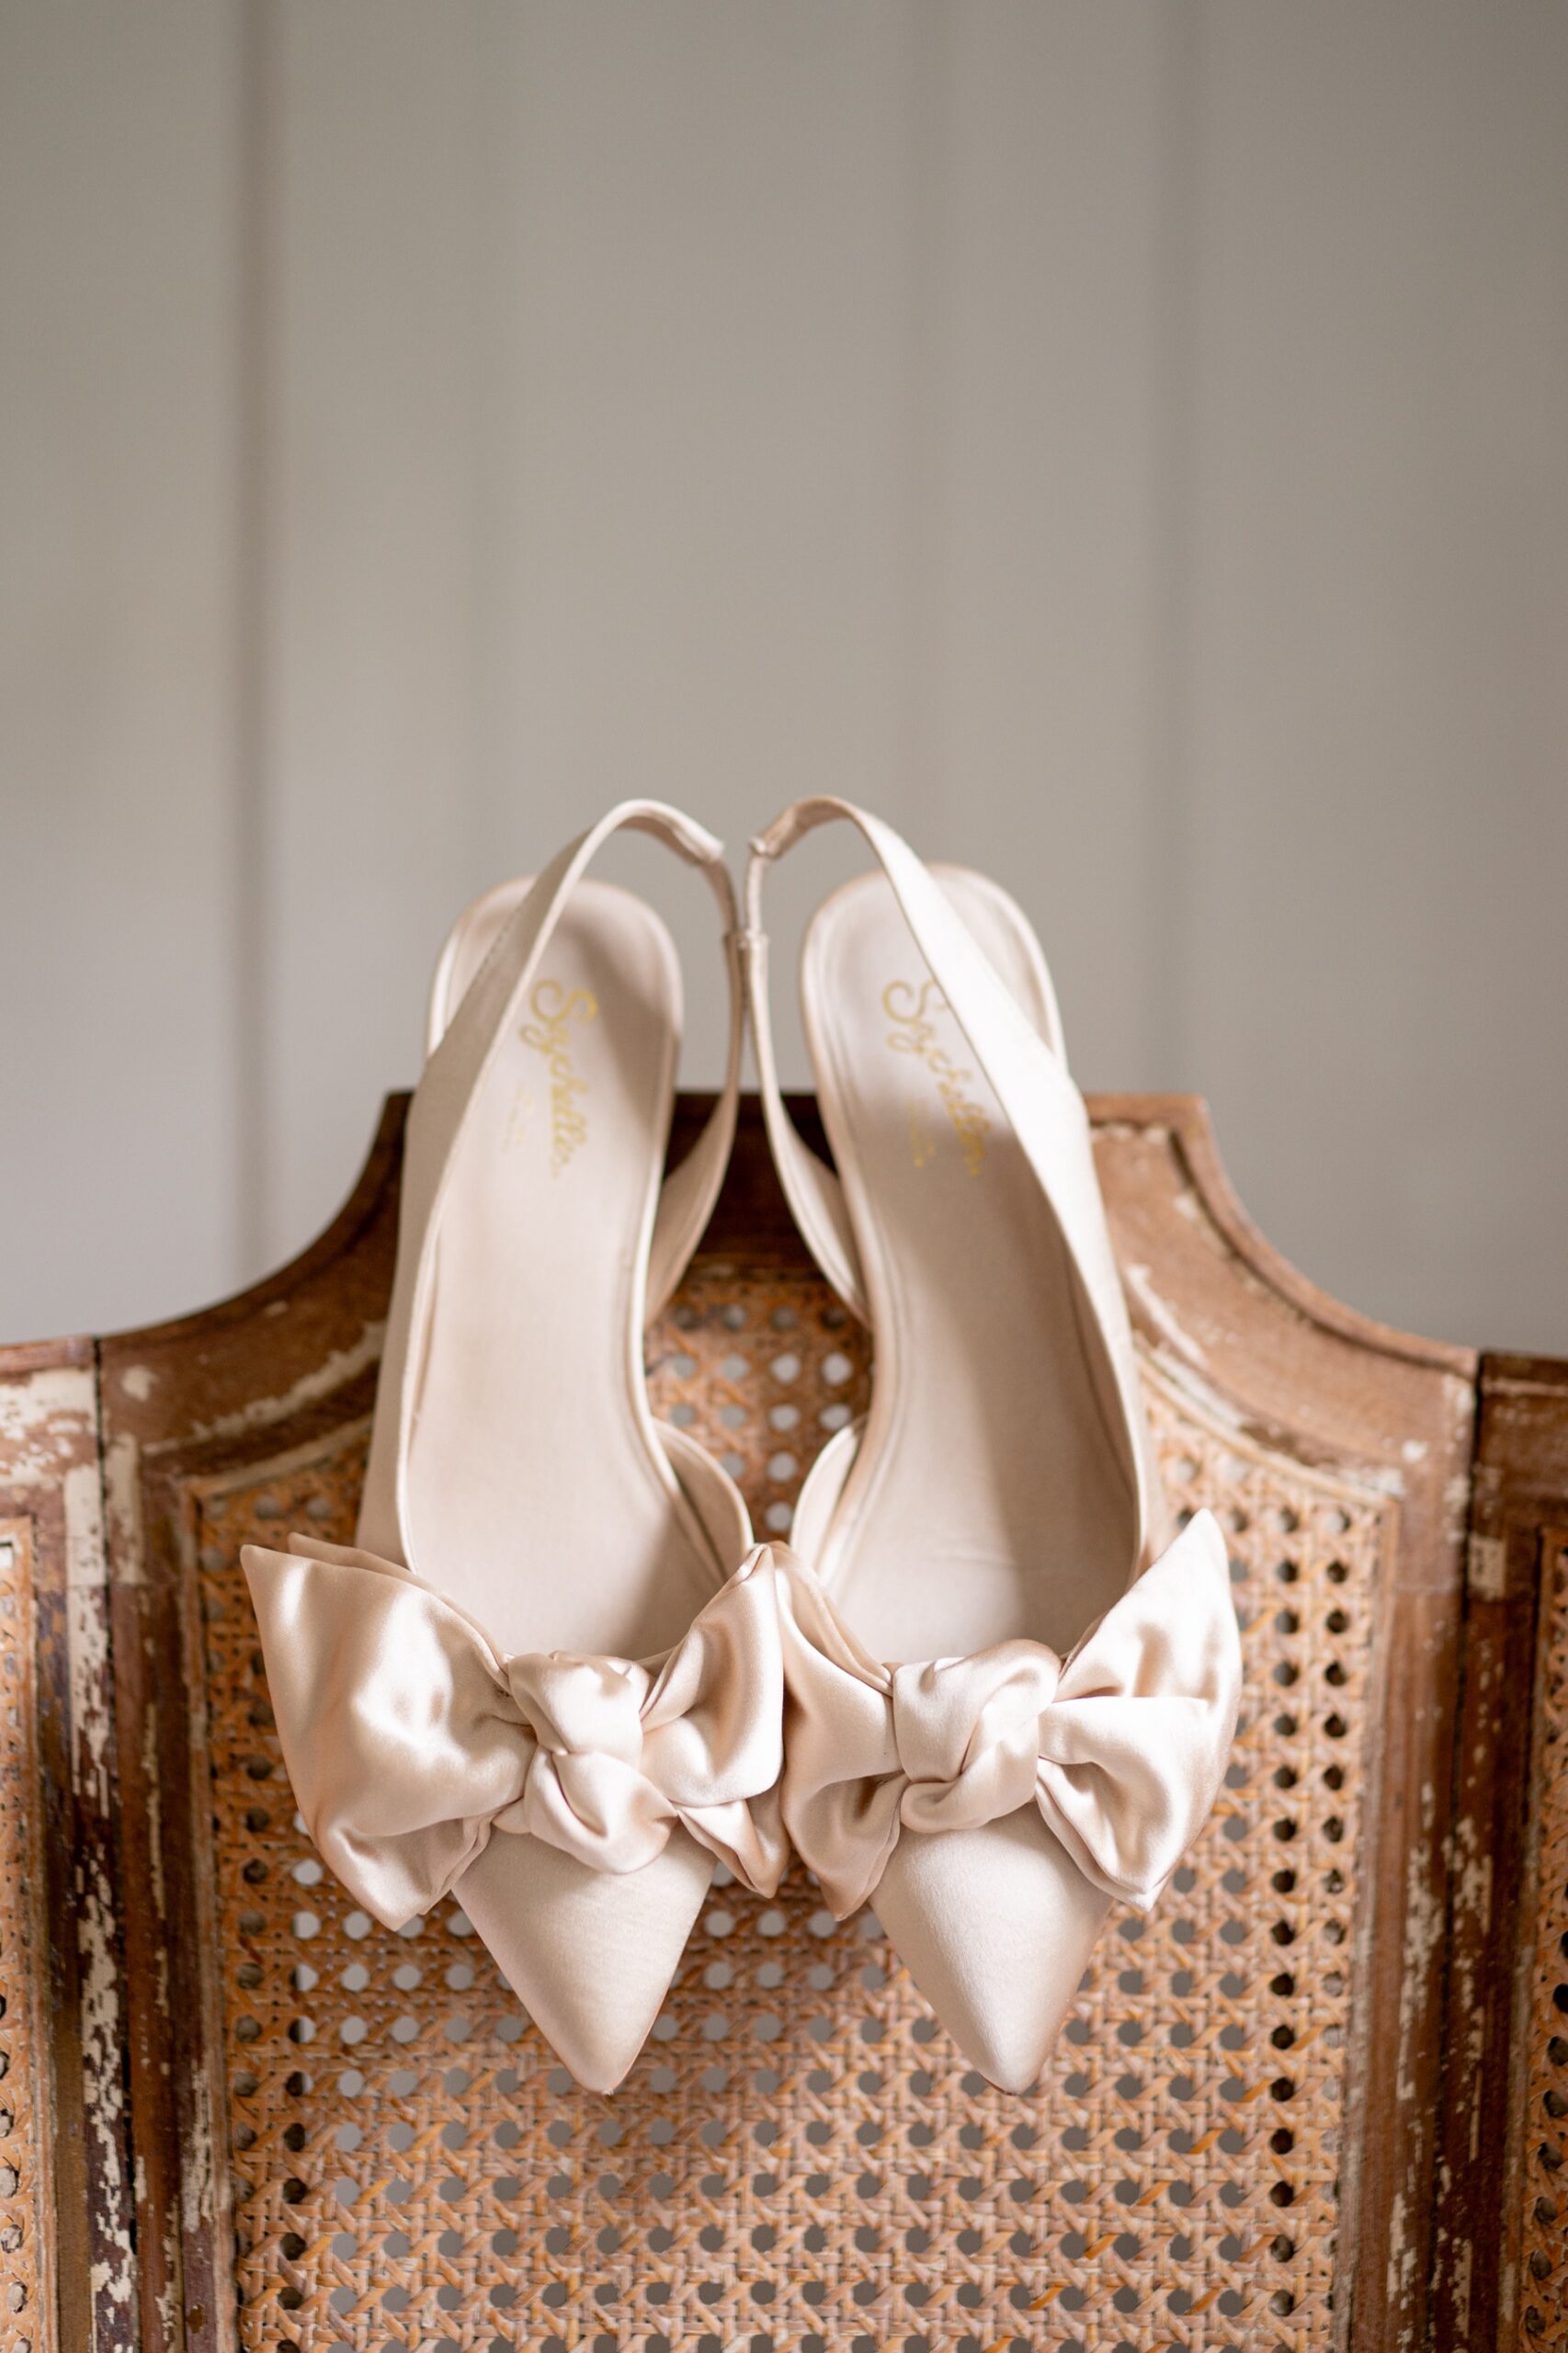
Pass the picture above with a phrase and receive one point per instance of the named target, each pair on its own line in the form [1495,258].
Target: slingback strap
[439,1114]
[1028,1078]
[810,1187]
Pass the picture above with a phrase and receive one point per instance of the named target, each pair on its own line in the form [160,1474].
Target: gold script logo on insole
[912,1010]
[555,1009]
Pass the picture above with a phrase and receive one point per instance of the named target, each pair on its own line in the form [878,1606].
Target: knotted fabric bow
[410,1740]
[1122,1746]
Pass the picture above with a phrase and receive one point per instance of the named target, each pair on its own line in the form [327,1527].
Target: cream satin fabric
[1027,1068]
[1121,1746]
[442,1112]
[410,1740]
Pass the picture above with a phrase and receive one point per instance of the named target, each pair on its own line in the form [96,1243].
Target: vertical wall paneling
[1378,605]
[1125,444]
[118,129]
[1045,393]
[368,622]
[693,403]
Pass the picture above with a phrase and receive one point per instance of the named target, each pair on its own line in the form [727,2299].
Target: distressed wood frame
[1502,2237]
[122,2188]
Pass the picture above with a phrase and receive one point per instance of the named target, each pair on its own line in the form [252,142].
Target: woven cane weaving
[799,2158]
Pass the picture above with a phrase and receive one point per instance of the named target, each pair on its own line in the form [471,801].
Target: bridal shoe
[1008,1701]
[546,1680]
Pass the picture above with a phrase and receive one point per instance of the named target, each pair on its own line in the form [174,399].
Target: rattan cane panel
[1544,2279]
[23,1978]
[799,2159]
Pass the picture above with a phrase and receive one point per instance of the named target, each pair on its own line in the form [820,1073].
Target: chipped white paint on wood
[1139,1282]
[41,1422]
[1487,1568]
[48,1425]
[122,1500]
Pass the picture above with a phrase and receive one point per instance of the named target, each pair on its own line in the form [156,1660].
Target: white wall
[1128,445]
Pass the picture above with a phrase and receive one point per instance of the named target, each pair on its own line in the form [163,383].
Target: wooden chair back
[1312,2101]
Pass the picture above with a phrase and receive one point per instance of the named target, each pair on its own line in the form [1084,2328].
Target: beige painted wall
[1128,444]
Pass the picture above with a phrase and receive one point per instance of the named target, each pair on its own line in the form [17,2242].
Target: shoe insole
[537,1496]
[987,1499]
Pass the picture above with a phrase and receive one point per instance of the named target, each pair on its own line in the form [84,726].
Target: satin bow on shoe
[424,1764]
[992,1806]
[410,1741]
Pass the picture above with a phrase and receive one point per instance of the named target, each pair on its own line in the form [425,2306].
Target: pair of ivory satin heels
[557,1679]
